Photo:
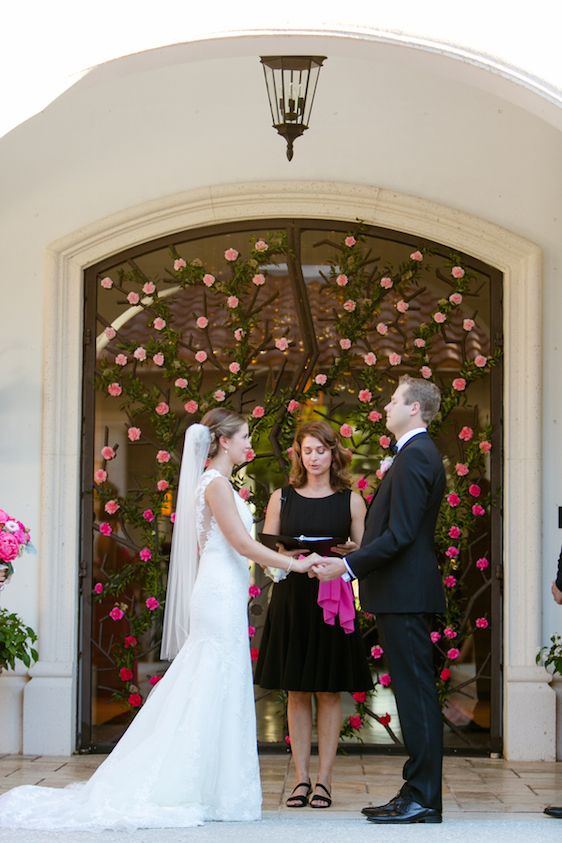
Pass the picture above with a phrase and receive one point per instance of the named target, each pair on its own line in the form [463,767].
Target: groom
[400,583]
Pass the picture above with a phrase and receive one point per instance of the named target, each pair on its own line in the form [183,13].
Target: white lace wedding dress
[190,755]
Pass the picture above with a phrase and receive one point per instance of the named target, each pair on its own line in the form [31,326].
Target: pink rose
[453,499]
[115,389]
[258,280]
[139,353]
[293,406]
[133,298]
[116,614]
[100,476]
[365,395]
[455,298]
[320,379]
[449,632]
[98,588]
[201,356]
[148,515]
[244,493]
[250,455]
[202,322]
[346,431]
[159,323]
[478,510]
[258,412]
[191,406]
[254,591]
[480,361]
[173,518]
[158,359]
[234,367]
[110,332]
[462,469]
[453,653]
[419,342]
[154,680]
[108,453]
[382,329]
[208,280]
[261,246]
[345,344]
[374,416]
[135,700]
[106,283]
[254,653]
[454,532]
[435,637]
[450,581]
[151,603]
[134,434]
[481,623]
[125,674]
[425,372]
[355,721]
[416,256]
[362,483]
[163,456]
[145,554]
[349,305]
[287,740]
[384,441]
[445,674]
[385,680]
[439,317]
[130,641]
[179,263]
[121,360]
[359,696]
[111,507]
[232,302]
[180,383]
[474,490]
[466,434]
[149,288]
[457,272]
[459,384]
[9,547]
[282,344]
[394,359]
[402,306]
[482,563]
[219,395]
[230,255]
[485,447]
[468,324]
[386,282]
[377,651]
[350,242]
[452,552]
[370,358]
[342,280]
[162,408]
[251,631]
[162,485]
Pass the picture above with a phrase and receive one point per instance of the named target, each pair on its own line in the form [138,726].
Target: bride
[190,755]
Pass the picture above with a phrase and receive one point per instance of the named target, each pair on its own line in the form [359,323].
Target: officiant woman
[301,652]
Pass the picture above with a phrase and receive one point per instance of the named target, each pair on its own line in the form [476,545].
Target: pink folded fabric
[336,599]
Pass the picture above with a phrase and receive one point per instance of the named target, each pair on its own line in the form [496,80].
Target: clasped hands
[324,568]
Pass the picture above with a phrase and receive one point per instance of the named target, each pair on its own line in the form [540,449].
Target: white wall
[173,120]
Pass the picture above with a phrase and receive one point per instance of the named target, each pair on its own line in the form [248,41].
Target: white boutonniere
[385,464]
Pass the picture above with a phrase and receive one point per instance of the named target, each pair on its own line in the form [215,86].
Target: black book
[315,544]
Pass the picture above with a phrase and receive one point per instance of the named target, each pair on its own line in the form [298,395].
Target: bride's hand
[305,563]
[344,549]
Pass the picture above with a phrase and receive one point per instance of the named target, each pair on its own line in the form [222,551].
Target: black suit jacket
[396,563]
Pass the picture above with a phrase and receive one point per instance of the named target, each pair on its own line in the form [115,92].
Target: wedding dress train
[190,755]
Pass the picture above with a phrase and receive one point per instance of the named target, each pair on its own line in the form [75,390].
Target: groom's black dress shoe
[553,811]
[405,811]
[389,806]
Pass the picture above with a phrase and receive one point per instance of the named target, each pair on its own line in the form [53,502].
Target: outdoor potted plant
[551,658]
[16,639]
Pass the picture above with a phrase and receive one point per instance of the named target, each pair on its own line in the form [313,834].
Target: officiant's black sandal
[299,800]
[319,801]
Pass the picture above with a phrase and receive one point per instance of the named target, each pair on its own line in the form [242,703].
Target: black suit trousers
[409,653]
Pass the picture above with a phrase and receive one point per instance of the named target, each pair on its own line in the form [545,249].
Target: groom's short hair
[426,393]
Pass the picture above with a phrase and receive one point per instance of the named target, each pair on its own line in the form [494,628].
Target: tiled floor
[472,786]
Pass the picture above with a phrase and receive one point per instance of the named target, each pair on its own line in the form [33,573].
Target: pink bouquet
[14,539]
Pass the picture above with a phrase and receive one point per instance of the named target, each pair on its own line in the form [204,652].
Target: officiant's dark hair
[426,393]
[341,457]
[221,422]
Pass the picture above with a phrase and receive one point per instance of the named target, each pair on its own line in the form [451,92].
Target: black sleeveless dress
[299,651]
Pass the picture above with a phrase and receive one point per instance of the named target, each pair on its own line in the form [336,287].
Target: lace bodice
[207,528]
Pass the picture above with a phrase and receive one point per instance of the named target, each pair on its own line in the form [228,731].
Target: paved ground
[484,800]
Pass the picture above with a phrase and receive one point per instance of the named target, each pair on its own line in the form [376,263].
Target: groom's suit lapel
[388,472]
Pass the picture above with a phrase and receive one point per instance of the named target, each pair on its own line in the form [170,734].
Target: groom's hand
[330,568]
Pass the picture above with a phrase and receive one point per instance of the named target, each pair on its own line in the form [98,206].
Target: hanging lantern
[291,85]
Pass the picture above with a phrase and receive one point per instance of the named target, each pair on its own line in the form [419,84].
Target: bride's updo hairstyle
[221,422]
[341,457]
